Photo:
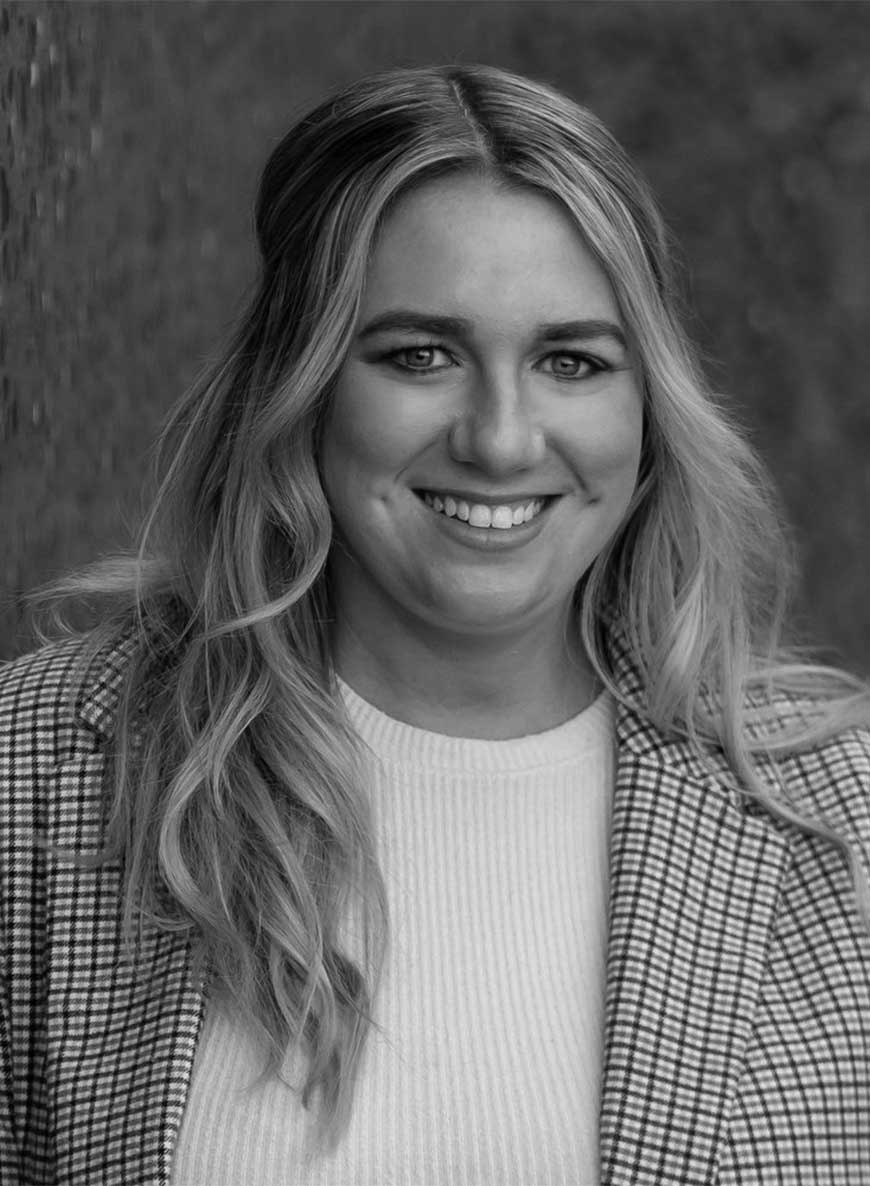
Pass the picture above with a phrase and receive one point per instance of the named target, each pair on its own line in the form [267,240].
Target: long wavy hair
[237,797]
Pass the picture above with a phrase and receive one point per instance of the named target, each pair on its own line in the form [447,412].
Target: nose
[496,431]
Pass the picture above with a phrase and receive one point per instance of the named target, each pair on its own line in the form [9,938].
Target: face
[484,438]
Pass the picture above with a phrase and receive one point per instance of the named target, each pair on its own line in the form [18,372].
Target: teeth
[501,518]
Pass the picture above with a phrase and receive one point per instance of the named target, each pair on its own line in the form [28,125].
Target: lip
[488,500]
[489,539]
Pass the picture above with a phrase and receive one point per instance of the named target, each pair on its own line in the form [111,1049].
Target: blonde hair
[237,799]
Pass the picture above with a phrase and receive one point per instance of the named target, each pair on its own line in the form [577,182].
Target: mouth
[486,516]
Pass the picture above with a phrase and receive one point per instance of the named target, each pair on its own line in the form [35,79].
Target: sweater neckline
[398,742]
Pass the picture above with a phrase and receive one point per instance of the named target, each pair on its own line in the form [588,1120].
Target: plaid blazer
[738,996]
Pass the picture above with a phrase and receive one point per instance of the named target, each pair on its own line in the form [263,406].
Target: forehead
[486,251]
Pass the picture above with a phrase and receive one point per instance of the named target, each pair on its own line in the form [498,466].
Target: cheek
[351,440]
[605,449]
[371,432]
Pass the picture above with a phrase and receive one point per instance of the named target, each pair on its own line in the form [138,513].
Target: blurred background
[133,134]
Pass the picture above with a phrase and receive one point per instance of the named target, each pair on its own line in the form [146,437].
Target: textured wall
[132,137]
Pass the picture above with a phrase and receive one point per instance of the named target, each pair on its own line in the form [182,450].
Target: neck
[491,686]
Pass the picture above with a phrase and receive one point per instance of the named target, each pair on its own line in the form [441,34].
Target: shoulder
[37,709]
[826,780]
[57,707]
[831,780]
[64,686]
[816,753]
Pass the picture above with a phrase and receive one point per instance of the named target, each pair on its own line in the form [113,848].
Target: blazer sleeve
[35,729]
[10,1162]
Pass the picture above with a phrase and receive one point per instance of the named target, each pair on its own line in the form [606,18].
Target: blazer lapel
[694,886]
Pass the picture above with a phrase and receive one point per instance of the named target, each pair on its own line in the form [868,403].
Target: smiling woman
[538,421]
[460,610]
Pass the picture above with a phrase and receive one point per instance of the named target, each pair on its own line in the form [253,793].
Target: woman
[461,604]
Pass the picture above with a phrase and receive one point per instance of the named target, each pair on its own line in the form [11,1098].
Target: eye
[419,358]
[568,364]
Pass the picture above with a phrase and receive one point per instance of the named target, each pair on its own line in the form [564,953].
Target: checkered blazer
[738,997]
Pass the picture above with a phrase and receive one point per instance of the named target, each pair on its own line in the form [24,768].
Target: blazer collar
[695,881]
[100,689]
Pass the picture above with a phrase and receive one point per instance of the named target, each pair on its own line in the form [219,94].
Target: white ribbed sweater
[488,1066]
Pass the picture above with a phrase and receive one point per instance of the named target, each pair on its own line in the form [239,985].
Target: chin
[483,615]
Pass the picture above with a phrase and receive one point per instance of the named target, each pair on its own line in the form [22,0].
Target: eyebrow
[433,323]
